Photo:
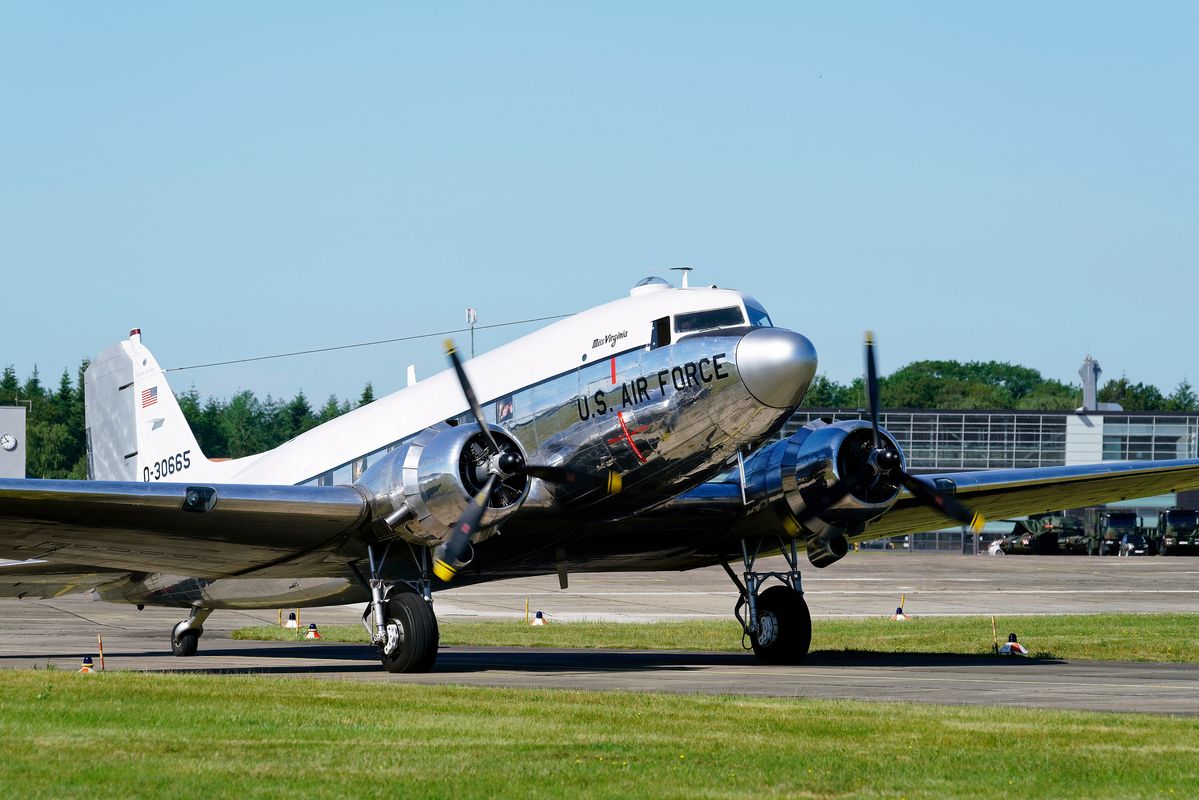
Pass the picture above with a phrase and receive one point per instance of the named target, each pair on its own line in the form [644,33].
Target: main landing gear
[775,621]
[185,637]
[402,624]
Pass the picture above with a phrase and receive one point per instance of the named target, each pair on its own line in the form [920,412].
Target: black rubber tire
[786,627]
[418,649]
[186,645]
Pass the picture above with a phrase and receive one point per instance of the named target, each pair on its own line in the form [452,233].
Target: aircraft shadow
[274,658]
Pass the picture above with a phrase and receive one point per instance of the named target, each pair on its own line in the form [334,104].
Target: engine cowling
[792,475]
[420,489]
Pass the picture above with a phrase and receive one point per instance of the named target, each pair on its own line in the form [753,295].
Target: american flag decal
[149,396]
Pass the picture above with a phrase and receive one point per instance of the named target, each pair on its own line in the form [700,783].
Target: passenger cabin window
[758,317]
[707,320]
[661,335]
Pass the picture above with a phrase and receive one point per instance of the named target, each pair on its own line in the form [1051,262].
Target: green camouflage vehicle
[1108,528]
[1177,532]
[1045,534]
[1060,533]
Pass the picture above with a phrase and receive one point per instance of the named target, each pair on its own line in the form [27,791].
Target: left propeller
[884,462]
[500,465]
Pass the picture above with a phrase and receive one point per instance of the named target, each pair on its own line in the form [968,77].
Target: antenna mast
[685,271]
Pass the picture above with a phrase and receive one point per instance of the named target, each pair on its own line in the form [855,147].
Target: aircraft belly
[234,593]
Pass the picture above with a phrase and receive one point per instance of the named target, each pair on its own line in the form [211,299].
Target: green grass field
[1105,637]
[122,735]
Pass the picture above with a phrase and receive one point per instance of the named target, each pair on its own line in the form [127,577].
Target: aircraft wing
[40,579]
[1016,492]
[144,527]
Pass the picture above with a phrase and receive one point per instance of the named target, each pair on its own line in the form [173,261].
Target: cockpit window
[706,320]
[758,316]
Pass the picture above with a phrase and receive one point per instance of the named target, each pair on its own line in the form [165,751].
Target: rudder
[135,428]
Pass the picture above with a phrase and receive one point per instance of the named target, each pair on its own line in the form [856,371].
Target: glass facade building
[963,440]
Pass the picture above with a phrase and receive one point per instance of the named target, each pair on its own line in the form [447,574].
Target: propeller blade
[946,504]
[872,386]
[467,390]
[456,548]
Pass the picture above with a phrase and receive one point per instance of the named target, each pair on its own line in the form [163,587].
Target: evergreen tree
[32,390]
[297,416]
[10,387]
[330,410]
[243,425]
[368,395]
[1183,398]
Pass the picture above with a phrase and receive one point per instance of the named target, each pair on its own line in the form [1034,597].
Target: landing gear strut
[402,623]
[185,637]
[775,621]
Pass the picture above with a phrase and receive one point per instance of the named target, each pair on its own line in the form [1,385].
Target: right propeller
[884,461]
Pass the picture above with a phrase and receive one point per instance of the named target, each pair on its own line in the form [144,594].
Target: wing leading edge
[1016,492]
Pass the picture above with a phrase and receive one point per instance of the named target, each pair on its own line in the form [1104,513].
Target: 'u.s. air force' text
[638,390]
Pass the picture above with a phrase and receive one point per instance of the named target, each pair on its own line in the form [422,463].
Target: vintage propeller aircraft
[638,435]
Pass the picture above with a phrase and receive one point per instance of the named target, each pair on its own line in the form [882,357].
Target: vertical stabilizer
[135,428]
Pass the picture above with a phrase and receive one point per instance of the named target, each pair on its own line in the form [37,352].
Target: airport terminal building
[961,440]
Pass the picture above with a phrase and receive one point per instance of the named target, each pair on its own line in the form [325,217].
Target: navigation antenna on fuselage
[683,270]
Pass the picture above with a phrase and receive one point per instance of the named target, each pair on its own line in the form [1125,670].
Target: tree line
[243,424]
[991,385]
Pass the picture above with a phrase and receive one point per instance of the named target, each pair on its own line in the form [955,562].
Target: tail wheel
[412,634]
[784,626]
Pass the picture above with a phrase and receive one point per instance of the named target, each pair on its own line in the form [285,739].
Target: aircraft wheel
[784,626]
[412,634]
[186,644]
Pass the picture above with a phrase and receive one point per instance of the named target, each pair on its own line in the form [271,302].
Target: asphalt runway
[59,631]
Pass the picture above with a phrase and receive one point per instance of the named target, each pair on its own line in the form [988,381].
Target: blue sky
[999,181]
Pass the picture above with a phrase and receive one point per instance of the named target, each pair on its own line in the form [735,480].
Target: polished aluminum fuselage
[665,419]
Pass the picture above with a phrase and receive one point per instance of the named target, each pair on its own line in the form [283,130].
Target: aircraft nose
[776,365]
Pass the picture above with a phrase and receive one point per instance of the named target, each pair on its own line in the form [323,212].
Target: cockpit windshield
[757,315]
[1122,521]
[707,320]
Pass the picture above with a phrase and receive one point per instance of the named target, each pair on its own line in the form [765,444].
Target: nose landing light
[776,365]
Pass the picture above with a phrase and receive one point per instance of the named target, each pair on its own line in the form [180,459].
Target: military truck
[1059,533]
[1177,531]
[1043,534]
[1108,528]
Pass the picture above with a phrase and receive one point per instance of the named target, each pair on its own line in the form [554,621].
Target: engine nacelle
[792,474]
[420,489]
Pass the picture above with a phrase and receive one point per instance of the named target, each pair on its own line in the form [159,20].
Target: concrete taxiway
[59,631]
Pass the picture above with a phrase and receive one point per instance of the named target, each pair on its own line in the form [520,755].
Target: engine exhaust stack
[822,552]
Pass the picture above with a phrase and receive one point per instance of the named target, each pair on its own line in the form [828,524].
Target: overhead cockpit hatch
[647,285]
